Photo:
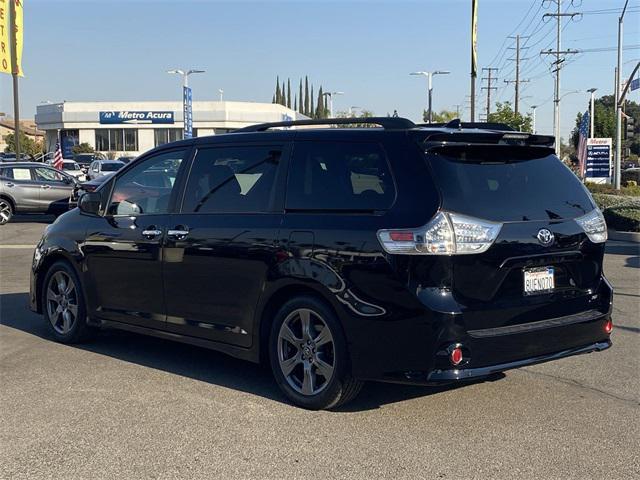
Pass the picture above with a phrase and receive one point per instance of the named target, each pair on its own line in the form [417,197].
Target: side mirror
[90,203]
[67,180]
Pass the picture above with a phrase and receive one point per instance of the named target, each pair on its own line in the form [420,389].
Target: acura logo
[545,237]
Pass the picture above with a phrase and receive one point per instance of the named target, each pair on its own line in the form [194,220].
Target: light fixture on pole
[221,92]
[591,111]
[429,76]
[330,95]
[351,110]
[186,100]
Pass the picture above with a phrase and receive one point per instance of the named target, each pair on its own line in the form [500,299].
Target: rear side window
[339,176]
[508,184]
[15,173]
[232,179]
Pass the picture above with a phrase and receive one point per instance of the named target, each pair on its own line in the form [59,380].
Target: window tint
[232,179]
[48,175]
[508,184]
[339,176]
[146,188]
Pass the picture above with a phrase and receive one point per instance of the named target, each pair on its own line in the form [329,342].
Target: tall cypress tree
[288,92]
[306,95]
[295,102]
[283,98]
[312,113]
[300,107]
[278,94]
[320,113]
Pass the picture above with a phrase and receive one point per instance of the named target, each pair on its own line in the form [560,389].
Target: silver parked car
[28,187]
[99,168]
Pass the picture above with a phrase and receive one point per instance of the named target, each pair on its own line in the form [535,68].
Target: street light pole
[533,107]
[591,111]
[186,97]
[429,76]
[330,95]
[618,106]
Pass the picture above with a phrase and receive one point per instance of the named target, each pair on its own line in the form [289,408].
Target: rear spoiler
[487,138]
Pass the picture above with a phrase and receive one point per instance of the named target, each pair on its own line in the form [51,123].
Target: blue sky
[120,50]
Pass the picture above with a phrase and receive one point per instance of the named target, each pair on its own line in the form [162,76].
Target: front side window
[48,175]
[339,176]
[147,188]
[232,179]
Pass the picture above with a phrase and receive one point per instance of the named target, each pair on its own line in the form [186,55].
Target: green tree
[283,98]
[83,148]
[306,96]
[288,93]
[300,105]
[27,144]
[295,102]
[278,93]
[312,113]
[505,114]
[320,107]
[443,116]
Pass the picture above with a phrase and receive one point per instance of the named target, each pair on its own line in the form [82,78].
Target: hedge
[623,218]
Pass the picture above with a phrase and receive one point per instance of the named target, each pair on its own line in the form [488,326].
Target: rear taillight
[446,234]
[594,226]
[608,327]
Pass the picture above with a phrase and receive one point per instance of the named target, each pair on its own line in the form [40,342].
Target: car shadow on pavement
[32,218]
[197,363]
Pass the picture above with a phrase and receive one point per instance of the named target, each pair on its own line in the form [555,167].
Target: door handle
[179,232]
[45,186]
[11,184]
[151,232]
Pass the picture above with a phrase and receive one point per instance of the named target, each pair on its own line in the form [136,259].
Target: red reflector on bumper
[608,326]
[401,236]
[456,356]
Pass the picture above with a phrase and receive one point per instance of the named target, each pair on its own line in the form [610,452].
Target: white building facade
[132,128]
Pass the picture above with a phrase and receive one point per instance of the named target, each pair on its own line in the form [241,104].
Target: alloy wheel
[5,212]
[62,302]
[306,352]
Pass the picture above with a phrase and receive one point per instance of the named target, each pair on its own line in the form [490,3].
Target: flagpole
[474,60]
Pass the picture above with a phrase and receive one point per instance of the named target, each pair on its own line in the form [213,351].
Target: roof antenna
[455,123]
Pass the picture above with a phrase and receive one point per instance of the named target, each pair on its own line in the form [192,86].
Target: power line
[517,81]
[489,87]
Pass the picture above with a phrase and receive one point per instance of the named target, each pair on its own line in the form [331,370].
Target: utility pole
[618,102]
[457,105]
[489,87]
[14,73]
[474,56]
[558,64]
[517,80]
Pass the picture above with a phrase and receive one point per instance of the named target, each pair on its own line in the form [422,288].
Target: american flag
[582,142]
[57,157]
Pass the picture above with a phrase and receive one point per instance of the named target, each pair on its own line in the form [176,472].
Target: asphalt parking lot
[127,406]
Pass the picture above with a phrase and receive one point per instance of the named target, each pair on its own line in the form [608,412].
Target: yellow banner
[19,35]
[5,53]
[5,37]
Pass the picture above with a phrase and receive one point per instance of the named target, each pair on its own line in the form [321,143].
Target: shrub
[630,190]
[604,200]
[623,218]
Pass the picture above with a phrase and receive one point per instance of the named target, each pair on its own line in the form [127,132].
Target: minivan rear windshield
[504,183]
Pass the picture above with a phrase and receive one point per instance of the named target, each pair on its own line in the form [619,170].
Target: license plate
[538,280]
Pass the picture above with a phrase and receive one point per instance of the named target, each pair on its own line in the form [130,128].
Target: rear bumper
[444,376]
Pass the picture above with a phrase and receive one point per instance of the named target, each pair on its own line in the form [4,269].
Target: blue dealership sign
[187,112]
[128,116]
[598,162]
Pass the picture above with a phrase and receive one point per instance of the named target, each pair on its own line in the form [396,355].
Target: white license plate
[538,280]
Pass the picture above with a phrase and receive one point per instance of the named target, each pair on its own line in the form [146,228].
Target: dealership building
[131,128]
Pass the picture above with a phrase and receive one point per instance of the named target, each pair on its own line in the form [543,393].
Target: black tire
[6,211]
[331,392]
[77,330]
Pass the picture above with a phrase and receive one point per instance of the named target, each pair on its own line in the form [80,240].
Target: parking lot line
[16,247]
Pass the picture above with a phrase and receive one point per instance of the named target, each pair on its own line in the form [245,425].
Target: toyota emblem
[545,237]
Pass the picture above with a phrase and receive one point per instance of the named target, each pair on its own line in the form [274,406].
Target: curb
[624,236]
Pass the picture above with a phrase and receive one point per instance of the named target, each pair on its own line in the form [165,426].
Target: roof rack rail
[458,124]
[388,123]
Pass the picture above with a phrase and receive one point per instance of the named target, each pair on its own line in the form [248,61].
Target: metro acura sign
[136,117]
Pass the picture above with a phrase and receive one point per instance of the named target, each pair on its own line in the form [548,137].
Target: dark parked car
[404,254]
[27,187]
[86,159]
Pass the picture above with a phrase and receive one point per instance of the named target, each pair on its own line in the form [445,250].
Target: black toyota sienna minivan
[402,253]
